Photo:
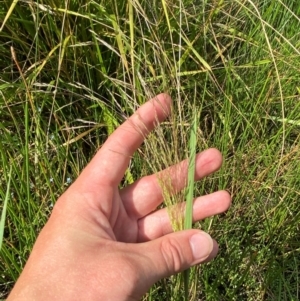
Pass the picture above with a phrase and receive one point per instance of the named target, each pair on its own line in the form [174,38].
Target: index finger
[110,163]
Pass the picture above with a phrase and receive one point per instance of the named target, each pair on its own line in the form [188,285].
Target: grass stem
[190,192]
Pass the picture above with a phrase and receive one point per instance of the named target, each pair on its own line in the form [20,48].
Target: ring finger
[158,223]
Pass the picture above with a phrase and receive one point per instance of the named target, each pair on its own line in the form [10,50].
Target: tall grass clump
[72,71]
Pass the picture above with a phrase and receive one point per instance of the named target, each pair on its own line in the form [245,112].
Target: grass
[86,65]
[188,218]
[4,208]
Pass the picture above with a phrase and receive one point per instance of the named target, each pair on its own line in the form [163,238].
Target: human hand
[102,243]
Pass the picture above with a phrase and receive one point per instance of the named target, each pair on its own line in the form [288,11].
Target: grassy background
[72,71]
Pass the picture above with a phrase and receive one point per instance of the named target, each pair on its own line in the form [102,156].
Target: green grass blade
[191,174]
[164,4]
[3,214]
[190,194]
[11,9]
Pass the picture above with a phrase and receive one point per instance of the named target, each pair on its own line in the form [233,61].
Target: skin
[102,243]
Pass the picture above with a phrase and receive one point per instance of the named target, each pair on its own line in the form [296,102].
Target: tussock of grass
[84,66]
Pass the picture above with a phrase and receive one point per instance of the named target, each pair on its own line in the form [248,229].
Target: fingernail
[202,245]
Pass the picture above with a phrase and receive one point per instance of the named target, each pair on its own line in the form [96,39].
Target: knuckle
[172,255]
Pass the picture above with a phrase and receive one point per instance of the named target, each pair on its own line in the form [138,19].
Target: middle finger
[144,195]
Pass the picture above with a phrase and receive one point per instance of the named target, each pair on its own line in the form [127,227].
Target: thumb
[175,252]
